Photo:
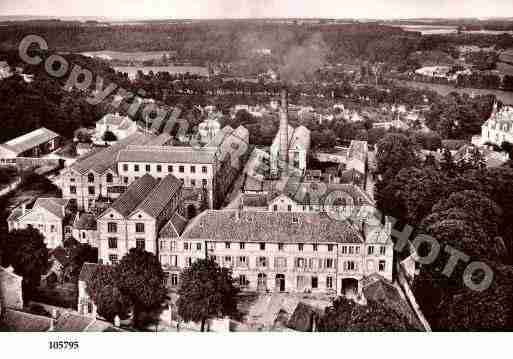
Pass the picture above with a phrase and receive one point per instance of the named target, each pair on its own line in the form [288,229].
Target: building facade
[31,145]
[135,219]
[51,216]
[284,252]
[498,128]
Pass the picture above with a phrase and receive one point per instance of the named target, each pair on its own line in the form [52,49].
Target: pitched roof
[30,140]
[56,206]
[87,271]
[306,192]
[167,154]
[134,195]
[160,195]
[69,322]
[174,227]
[271,227]
[101,161]
[16,321]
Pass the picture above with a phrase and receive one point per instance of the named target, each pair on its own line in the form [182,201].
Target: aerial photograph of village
[260,167]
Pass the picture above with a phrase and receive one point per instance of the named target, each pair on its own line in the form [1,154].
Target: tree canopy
[141,280]
[206,291]
[26,251]
[348,316]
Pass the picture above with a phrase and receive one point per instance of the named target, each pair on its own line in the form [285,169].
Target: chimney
[284,132]
[23,208]
[117,321]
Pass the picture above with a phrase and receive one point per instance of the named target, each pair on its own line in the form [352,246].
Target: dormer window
[90,178]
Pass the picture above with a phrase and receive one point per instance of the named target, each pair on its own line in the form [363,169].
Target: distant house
[434,71]
[51,216]
[120,126]
[33,144]
[85,304]
[85,229]
[498,128]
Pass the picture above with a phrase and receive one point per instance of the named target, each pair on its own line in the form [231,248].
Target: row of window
[112,227]
[262,246]
[281,247]
[170,168]
[140,243]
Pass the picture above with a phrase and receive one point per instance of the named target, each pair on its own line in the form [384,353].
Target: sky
[197,9]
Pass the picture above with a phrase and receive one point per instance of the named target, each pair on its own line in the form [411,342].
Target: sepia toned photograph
[255,166]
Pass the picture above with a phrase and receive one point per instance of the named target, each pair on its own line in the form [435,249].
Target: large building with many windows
[281,251]
[106,174]
[135,219]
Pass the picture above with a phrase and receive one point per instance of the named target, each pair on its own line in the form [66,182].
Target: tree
[141,280]
[206,291]
[411,194]
[394,152]
[78,254]
[83,135]
[109,136]
[103,290]
[479,208]
[346,315]
[26,252]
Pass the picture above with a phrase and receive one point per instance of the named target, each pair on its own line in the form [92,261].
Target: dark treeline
[221,41]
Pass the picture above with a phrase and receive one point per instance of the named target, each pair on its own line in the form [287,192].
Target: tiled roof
[167,154]
[87,271]
[306,193]
[16,321]
[55,206]
[270,227]
[174,227]
[134,195]
[69,322]
[30,140]
[160,195]
[101,161]
[86,221]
